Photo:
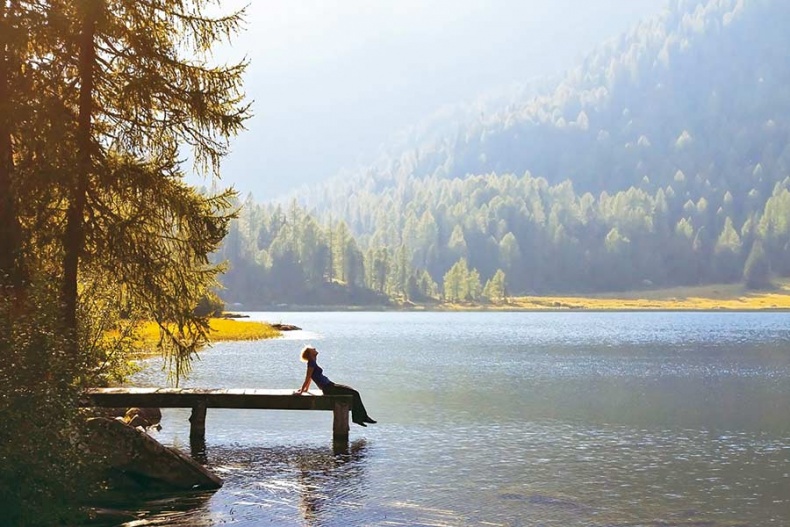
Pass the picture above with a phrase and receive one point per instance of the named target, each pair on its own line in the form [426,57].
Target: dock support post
[197,429]
[340,422]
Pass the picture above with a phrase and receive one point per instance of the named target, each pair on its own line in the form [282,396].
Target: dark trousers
[358,412]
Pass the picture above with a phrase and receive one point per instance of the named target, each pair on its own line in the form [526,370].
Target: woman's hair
[305,352]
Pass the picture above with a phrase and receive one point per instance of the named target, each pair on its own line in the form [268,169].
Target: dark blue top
[318,375]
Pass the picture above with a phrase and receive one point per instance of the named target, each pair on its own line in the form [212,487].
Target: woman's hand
[307,381]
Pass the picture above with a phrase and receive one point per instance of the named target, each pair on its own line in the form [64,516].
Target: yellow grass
[222,329]
[235,329]
[703,298]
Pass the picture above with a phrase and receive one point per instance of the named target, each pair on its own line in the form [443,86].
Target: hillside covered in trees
[662,159]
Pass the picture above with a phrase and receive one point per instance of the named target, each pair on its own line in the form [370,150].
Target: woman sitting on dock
[316,374]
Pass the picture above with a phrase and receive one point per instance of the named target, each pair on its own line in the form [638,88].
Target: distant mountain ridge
[700,89]
[663,159]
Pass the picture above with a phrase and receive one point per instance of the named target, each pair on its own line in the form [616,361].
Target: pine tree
[473,287]
[757,270]
[98,100]
[145,90]
[494,290]
[97,228]
[456,282]
[727,253]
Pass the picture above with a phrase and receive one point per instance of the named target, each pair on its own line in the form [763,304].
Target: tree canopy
[99,102]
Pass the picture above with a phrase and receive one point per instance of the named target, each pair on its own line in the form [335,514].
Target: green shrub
[44,475]
[210,305]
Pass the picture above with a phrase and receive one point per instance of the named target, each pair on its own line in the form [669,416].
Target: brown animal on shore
[145,417]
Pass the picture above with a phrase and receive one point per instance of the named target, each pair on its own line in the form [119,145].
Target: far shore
[728,297]
[709,298]
[722,297]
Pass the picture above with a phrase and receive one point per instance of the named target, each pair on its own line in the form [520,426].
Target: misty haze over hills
[334,82]
[662,159]
[699,89]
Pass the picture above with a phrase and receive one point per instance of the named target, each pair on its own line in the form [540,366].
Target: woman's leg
[358,412]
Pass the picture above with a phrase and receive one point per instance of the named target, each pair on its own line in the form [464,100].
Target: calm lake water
[503,419]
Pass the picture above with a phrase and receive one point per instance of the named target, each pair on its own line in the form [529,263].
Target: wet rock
[135,454]
[285,327]
[234,315]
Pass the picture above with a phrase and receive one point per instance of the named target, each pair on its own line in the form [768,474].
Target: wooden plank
[214,398]
[200,399]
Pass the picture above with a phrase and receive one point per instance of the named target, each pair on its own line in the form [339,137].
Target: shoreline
[223,329]
[710,298]
[509,309]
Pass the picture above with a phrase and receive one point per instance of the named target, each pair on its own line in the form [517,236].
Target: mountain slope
[699,89]
[663,159]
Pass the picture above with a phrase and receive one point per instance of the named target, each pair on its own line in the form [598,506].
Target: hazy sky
[332,81]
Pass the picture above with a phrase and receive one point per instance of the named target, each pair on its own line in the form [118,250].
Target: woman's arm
[308,378]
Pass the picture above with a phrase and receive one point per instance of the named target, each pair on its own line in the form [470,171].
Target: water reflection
[319,484]
[139,509]
[310,486]
[197,448]
[582,420]
[324,482]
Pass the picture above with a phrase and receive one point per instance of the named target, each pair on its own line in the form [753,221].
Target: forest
[661,160]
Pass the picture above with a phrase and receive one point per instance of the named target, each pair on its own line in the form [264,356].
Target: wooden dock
[201,399]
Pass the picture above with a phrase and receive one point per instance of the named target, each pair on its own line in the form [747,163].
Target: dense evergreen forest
[663,159]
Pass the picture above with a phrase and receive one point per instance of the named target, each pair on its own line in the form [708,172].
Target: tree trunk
[12,268]
[74,235]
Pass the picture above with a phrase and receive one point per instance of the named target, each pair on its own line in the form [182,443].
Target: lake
[502,419]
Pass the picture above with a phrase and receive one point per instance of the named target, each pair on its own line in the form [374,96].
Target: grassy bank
[222,329]
[733,297]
